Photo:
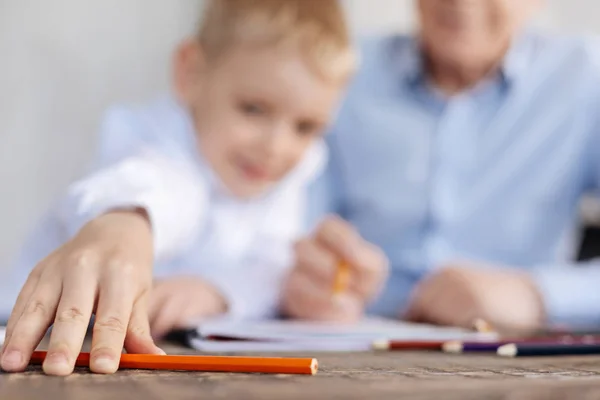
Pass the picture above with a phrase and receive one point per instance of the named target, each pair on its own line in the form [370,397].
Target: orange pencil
[265,365]
[342,277]
[482,326]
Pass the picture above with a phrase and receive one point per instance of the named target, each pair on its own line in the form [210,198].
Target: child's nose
[278,139]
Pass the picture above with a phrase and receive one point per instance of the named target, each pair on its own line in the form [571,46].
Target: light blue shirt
[492,174]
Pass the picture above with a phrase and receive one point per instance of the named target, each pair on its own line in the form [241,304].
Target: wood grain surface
[387,375]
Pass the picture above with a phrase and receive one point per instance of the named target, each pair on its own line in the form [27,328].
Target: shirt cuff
[175,203]
[84,212]
[570,294]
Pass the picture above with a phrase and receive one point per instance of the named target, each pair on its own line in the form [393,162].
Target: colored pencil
[456,346]
[342,277]
[265,365]
[406,345]
[482,326]
[547,349]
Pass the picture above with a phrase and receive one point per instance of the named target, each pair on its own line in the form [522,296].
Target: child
[207,186]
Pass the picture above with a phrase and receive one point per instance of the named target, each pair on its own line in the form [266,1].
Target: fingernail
[12,359]
[58,361]
[161,352]
[57,358]
[57,364]
[104,365]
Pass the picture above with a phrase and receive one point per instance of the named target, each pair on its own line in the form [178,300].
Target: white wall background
[63,61]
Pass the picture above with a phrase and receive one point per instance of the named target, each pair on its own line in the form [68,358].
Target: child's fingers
[317,262]
[342,242]
[115,303]
[32,325]
[371,269]
[156,300]
[338,236]
[138,339]
[71,323]
[167,317]
[306,300]
[22,300]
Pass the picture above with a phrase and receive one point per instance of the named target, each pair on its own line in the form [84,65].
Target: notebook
[288,335]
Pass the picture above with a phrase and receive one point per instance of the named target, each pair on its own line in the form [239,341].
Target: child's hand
[309,291]
[458,295]
[175,302]
[106,269]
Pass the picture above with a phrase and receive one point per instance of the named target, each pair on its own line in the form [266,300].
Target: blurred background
[63,61]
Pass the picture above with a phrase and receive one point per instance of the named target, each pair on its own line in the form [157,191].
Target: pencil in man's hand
[342,277]
[482,326]
[265,365]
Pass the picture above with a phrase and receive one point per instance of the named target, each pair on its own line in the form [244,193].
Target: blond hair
[316,27]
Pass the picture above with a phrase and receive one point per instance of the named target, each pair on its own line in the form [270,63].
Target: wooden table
[387,375]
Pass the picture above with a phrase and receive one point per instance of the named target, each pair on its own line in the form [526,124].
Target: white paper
[285,335]
[244,346]
[2,333]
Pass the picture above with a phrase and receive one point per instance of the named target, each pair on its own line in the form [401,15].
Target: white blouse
[148,157]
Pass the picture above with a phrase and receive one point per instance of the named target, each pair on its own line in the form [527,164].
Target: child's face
[256,110]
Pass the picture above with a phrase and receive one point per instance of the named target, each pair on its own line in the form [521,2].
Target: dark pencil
[487,346]
[546,349]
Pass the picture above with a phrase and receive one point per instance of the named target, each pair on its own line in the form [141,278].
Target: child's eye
[308,128]
[252,108]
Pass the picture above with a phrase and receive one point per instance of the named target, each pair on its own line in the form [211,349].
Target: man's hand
[177,301]
[457,295]
[309,290]
[105,269]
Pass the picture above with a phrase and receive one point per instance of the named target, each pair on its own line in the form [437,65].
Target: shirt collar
[408,58]
[518,57]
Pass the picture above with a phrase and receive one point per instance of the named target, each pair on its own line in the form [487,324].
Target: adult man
[462,153]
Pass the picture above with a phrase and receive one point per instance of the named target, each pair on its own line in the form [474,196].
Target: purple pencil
[471,347]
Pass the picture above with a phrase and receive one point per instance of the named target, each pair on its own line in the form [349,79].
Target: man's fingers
[440,299]
[423,295]
[139,339]
[71,323]
[415,310]
[32,325]
[115,303]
